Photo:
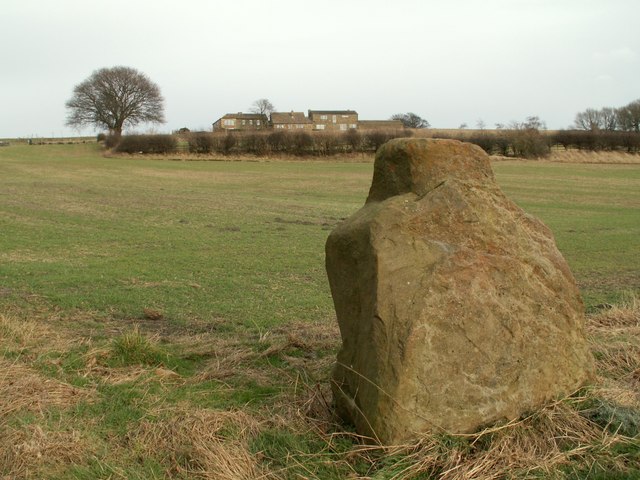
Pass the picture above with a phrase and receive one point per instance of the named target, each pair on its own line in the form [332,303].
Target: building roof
[332,112]
[246,116]
[289,117]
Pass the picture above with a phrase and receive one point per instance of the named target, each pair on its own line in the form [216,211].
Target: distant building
[332,120]
[241,121]
[318,120]
[290,121]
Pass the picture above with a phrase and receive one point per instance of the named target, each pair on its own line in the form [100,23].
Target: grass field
[171,319]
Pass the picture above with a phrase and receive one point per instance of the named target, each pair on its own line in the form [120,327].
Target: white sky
[449,61]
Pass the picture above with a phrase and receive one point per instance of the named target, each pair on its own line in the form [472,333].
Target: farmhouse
[318,120]
[241,121]
[334,119]
[290,121]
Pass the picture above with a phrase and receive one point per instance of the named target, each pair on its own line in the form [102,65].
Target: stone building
[332,120]
[241,121]
[290,121]
[317,120]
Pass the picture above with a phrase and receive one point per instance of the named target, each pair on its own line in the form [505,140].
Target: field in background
[163,319]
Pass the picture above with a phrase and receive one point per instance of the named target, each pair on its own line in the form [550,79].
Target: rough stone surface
[456,309]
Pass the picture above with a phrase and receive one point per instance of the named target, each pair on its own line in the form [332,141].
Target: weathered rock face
[455,307]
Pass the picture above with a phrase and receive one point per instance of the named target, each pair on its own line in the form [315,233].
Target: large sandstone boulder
[456,309]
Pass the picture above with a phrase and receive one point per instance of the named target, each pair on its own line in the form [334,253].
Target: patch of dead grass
[201,444]
[554,436]
[583,156]
[31,451]
[24,389]
[615,339]
[17,333]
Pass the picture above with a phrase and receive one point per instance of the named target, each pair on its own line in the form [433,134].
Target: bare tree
[263,106]
[590,119]
[629,117]
[115,97]
[609,118]
[534,122]
[411,120]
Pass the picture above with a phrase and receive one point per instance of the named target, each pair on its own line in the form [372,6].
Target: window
[353,125]
[250,122]
[323,117]
[343,126]
[229,122]
[244,122]
[320,126]
[258,122]
[334,119]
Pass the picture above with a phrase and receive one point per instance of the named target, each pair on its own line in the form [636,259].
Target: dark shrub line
[298,143]
[260,144]
[598,140]
[520,142]
[531,143]
[145,144]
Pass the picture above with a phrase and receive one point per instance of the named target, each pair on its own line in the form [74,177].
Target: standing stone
[455,307]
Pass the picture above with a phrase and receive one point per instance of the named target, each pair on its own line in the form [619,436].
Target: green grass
[239,241]
[230,256]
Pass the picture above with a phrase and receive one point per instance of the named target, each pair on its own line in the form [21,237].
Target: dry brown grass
[23,389]
[33,451]
[582,156]
[195,442]
[615,340]
[17,333]
[201,444]
[534,447]
[21,386]
[28,450]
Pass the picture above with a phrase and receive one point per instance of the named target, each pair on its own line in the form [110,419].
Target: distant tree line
[624,119]
[519,139]
[530,139]
[257,143]
[604,129]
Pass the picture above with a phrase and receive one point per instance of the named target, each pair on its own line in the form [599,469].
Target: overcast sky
[451,62]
